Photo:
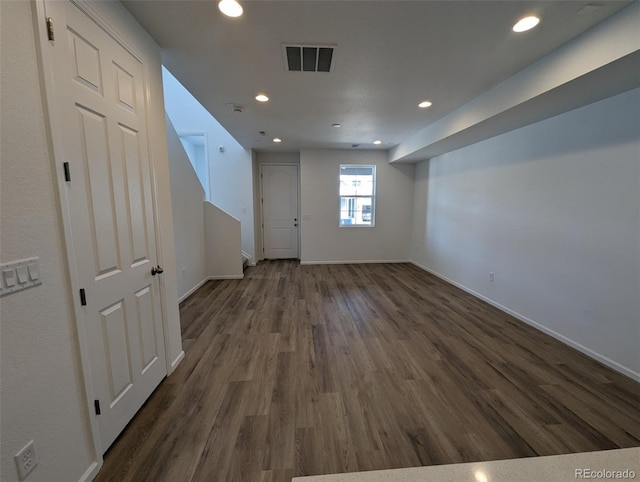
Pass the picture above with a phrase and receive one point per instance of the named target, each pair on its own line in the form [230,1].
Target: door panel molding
[280,232]
[55,94]
[90,11]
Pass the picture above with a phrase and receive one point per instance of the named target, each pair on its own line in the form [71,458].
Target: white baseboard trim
[208,278]
[251,260]
[226,276]
[91,472]
[192,290]
[558,336]
[176,362]
[358,261]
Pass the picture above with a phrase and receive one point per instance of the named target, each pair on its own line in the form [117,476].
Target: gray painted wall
[322,240]
[553,210]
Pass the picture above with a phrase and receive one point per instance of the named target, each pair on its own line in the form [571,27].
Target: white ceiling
[391,55]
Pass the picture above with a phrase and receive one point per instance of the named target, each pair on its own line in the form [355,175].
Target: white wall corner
[91,472]
[223,241]
[193,290]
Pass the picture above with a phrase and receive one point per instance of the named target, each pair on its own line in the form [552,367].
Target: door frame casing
[55,135]
[261,211]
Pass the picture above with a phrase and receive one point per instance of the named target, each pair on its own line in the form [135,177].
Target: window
[357,195]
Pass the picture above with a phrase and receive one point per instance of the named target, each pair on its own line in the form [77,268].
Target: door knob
[156,270]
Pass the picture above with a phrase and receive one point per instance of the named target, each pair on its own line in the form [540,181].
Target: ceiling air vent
[309,58]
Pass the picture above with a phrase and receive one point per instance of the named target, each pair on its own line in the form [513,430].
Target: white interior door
[280,211]
[100,107]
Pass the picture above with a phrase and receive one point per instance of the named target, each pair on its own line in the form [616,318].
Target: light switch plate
[34,272]
[19,275]
[9,277]
[23,274]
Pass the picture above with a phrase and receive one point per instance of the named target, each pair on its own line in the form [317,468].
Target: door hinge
[50,35]
[96,404]
[83,297]
[67,172]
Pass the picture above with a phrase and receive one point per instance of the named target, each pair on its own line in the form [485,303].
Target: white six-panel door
[101,108]
[280,211]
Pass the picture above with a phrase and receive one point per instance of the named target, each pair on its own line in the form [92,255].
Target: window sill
[356,225]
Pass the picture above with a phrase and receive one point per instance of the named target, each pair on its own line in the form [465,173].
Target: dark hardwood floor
[304,370]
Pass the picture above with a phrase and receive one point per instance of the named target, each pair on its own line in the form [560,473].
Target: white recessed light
[231,8]
[262,98]
[526,23]
[424,104]
[277,139]
[377,143]
[336,125]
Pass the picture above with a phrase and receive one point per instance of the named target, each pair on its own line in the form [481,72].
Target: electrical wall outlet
[491,276]
[26,460]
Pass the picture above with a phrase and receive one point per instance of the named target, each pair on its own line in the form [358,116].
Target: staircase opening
[195,145]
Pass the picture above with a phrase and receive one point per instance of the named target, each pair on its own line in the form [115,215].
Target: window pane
[356,211]
[356,181]
[363,210]
[366,186]
[347,210]
[357,195]
[346,188]
[364,171]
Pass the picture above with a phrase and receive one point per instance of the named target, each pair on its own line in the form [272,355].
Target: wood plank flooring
[306,370]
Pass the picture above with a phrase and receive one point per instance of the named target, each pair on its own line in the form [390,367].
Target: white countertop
[532,469]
